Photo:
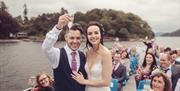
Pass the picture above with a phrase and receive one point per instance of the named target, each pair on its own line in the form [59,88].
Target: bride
[99,61]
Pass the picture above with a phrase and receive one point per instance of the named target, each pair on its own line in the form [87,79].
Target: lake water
[19,61]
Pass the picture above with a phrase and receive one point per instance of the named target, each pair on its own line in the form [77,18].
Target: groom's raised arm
[48,48]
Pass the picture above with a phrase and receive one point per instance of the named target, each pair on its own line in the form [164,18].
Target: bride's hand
[78,76]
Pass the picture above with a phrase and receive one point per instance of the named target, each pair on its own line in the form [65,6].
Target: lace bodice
[95,73]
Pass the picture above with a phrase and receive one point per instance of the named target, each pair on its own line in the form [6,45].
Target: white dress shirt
[52,53]
[169,72]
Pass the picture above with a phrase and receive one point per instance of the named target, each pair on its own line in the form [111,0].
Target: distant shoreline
[41,39]
[18,40]
[9,41]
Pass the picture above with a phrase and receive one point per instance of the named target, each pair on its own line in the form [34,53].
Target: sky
[161,15]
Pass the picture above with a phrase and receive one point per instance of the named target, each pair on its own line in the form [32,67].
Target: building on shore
[20,35]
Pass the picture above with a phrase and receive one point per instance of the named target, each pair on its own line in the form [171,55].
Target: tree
[7,25]
[116,23]
[25,13]
[3,6]
[111,32]
[63,11]
[123,33]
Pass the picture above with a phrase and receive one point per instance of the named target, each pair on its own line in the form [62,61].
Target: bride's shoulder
[106,51]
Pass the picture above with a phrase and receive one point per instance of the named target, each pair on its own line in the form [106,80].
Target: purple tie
[73,62]
[114,66]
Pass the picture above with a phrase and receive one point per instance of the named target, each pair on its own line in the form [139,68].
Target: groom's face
[73,39]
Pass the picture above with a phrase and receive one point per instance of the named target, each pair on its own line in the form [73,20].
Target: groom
[67,59]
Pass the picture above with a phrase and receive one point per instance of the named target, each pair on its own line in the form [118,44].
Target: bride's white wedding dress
[94,73]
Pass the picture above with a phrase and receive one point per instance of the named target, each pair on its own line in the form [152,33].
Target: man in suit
[67,59]
[173,54]
[172,70]
[119,70]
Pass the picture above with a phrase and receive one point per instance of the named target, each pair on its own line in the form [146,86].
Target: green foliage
[41,25]
[3,6]
[7,25]
[111,33]
[116,23]
[123,33]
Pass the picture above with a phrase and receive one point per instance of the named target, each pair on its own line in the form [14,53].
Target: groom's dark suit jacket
[62,74]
